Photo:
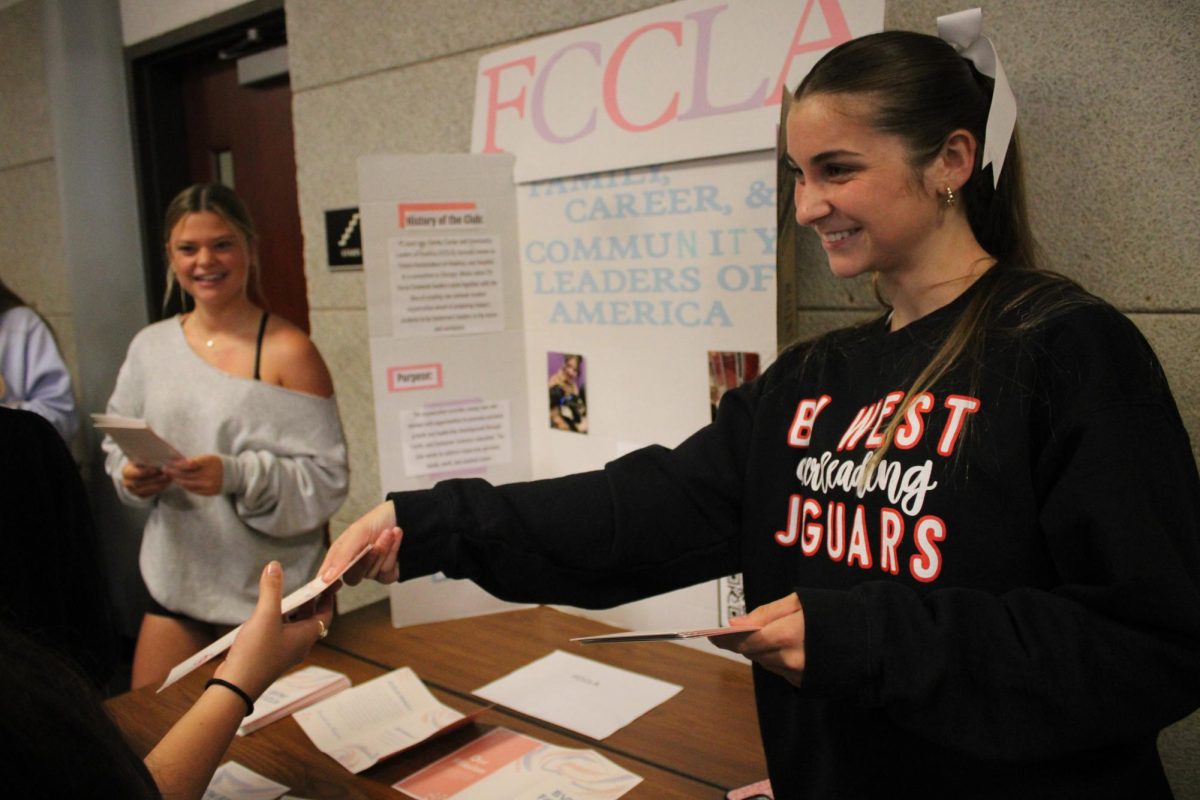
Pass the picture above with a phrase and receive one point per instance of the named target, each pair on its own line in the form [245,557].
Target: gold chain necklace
[209,342]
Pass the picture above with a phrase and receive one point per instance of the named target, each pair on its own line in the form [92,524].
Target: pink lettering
[614,66]
[839,31]
[494,104]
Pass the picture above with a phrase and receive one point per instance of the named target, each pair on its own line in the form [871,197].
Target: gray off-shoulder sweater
[285,474]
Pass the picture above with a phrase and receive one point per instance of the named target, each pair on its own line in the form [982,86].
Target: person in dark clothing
[47,524]
[969,528]
[52,716]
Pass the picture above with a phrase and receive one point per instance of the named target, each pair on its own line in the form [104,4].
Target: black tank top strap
[262,330]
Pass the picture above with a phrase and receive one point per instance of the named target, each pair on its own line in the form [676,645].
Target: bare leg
[162,643]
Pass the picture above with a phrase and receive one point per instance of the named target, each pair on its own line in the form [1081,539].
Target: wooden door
[193,122]
[242,136]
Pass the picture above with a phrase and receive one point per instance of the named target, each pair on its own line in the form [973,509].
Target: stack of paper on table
[577,693]
[291,693]
[502,763]
[137,440]
[379,718]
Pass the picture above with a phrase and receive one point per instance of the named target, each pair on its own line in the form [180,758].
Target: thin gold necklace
[207,342]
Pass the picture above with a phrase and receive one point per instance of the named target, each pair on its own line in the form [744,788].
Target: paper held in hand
[665,636]
[309,591]
[137,440]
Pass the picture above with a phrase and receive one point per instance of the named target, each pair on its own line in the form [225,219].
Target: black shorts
[159,610]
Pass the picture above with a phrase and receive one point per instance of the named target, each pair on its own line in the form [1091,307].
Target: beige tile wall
[31,249]
[25,123]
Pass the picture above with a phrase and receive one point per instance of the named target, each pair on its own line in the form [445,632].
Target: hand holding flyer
[137,440]
[307,592]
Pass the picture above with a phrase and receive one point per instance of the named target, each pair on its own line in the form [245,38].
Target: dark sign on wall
[343,238]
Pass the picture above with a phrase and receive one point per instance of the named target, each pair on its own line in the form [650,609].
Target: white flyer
[580,694]
[232,781]
[292,692]
[361,726]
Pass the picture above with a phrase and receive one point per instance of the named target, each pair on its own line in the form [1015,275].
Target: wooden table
[699,744]
[708,731]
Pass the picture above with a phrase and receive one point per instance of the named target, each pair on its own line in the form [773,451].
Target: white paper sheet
[579,694]
[137,440]
[358,727]
[232,781]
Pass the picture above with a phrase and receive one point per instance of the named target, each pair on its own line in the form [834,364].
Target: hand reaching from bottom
[183,762]
[267,646]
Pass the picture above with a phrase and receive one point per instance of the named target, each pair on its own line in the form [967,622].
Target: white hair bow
[964,31]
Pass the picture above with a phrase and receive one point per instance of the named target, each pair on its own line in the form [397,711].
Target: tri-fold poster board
[574,288]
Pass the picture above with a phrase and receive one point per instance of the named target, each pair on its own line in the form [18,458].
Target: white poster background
[644,269]
[405,201]
[456,436]
[446,283]
[685,80]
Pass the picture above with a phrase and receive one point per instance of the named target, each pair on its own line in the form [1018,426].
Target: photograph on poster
[727,371]
[567,391]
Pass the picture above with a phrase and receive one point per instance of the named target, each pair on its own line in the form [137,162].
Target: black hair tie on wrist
[236,690]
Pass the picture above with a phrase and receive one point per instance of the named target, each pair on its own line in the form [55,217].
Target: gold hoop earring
[950,199]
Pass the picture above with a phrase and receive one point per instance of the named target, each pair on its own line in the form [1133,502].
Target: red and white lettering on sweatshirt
[851,533]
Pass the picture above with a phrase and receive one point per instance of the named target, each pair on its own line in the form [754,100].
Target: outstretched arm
[184,761]
[376,528]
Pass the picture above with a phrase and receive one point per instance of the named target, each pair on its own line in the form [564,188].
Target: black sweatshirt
[1009,606]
